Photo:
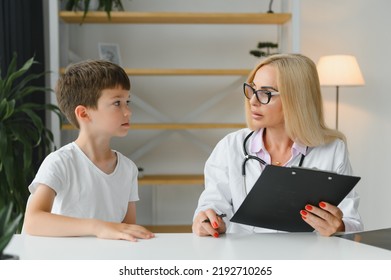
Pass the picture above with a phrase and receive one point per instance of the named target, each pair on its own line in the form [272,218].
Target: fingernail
[215,225]
[216,234]
[308,207]
[302,212]
[322,204]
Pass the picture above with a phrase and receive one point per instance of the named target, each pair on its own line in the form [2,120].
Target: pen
[218,215]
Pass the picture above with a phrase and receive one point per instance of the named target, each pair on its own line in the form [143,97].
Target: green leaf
[12,225]
[5,213]
[27,156]
[35,119]
[70,5]
[6,109]
[22,89]
[25,132]
[86,7]
[3,142]
[12,76]
[8,225]
[3,109]
[11,66]
[118,5]
[8,164]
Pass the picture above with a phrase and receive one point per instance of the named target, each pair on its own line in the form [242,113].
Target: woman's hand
[326,219]
[123,231]
[208,223]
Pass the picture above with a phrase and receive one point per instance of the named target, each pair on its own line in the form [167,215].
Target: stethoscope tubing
[248,157]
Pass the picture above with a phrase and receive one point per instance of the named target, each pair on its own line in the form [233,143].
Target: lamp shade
[339,70]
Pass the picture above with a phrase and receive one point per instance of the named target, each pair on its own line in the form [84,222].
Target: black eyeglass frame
[264,91]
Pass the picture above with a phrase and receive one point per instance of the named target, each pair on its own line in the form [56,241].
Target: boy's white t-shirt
[85,191]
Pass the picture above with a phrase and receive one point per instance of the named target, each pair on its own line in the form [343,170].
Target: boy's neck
[99,152]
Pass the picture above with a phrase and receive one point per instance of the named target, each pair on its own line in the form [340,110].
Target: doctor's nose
[254,100]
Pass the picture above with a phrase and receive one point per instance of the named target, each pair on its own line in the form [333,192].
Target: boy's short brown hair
[83,82]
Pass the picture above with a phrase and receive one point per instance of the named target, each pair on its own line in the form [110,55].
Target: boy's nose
[127,111]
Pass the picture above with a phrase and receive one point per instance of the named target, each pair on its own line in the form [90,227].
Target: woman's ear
[81,113]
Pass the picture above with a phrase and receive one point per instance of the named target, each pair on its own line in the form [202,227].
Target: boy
[86,188]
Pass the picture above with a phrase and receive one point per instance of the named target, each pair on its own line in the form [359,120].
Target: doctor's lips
[218,215]
[255,115]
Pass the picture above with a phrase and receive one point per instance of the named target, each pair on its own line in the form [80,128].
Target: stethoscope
[248,157]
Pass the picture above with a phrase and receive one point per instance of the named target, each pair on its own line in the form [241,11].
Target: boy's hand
[123,231]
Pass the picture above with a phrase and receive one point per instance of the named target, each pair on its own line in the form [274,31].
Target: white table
[187,246]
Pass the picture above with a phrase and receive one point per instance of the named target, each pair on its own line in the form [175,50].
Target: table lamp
[339,70]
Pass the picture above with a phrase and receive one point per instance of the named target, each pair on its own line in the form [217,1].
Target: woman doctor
[285,112]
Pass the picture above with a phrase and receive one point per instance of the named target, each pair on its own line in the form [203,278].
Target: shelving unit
[183,179]
[176,18]
[166,124]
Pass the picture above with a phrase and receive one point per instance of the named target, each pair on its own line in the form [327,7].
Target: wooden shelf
[169,228]
[183,72]
[184,179]
[174,126]
[176,17]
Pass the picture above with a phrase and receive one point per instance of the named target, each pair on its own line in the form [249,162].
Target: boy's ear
[81,113]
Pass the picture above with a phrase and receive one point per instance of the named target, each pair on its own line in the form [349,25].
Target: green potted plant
[86,5]
[24,141]
[264,45]
[8,226]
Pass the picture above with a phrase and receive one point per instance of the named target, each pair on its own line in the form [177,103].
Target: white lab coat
[224,184]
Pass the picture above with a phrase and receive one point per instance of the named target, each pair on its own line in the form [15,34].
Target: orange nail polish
[322,204]
[308,207]
[215,225]
[216,234]
[302,212]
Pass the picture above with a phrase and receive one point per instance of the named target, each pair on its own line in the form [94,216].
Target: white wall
[360,28]
[356,27]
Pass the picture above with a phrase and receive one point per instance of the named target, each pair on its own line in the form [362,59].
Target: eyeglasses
[263,95]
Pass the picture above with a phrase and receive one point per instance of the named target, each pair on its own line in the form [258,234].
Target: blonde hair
[298,84]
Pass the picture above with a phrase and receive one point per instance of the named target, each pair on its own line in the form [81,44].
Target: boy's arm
[40,221]
[130,217]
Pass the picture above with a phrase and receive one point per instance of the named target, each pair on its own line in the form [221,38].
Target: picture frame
[110,52]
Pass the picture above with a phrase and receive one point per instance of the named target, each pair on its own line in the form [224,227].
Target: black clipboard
[280,193]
